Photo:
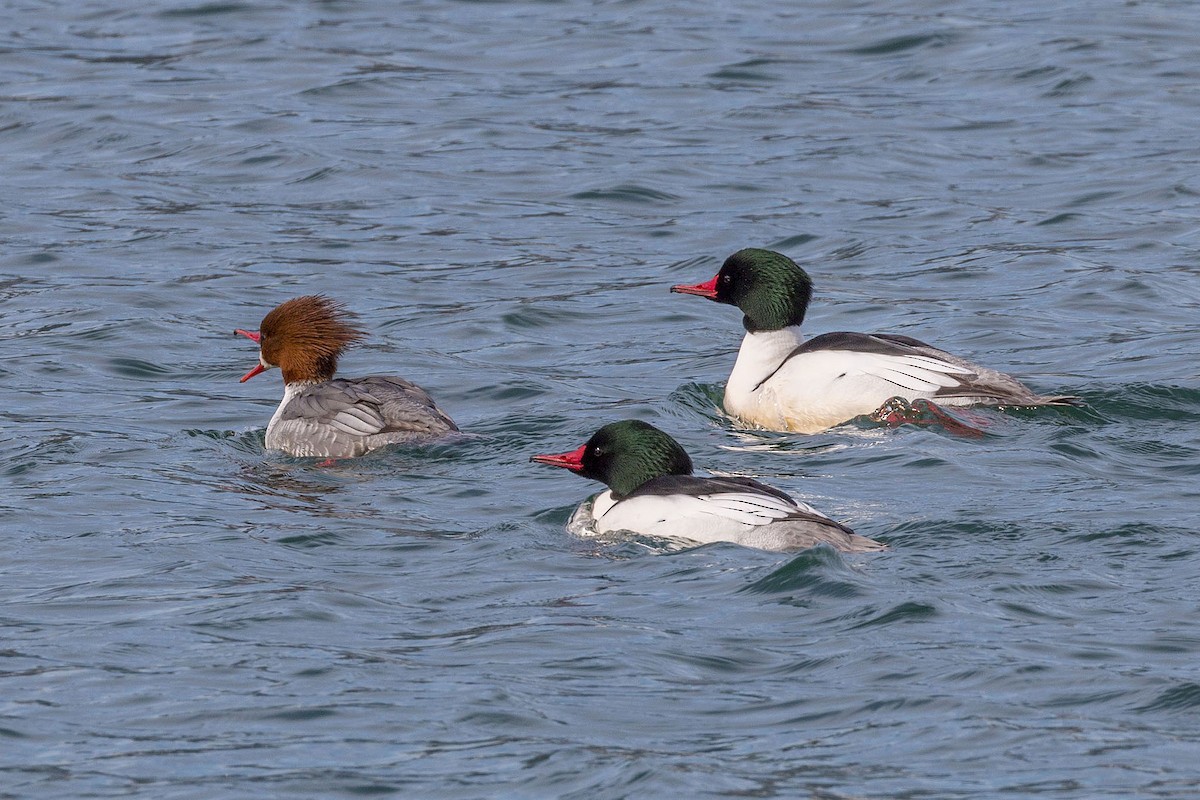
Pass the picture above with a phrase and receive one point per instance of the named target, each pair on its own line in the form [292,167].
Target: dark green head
[624,455]
[771,290]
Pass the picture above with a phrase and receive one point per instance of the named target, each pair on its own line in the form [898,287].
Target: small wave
[818,571]
[1145,402]
[1178,698]
[899,44]
[904,612]
[627,193]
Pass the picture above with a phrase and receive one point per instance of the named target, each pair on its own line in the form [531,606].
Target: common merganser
[782,382]
[324,416]
[651,491]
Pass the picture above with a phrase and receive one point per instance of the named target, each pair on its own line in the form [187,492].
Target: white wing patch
[722,515]
[818,390]
[747,508]
[914,373]
[750,518]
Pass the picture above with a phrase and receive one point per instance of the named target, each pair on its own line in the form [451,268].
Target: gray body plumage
[343,418]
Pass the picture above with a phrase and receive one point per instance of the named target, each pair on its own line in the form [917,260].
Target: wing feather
[358,420]
[750,509]
[368,406]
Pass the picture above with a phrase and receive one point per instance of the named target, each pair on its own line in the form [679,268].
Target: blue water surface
[504,192]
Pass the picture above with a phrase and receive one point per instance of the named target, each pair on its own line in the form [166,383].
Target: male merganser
[782,382]
[334,418]
[651,491]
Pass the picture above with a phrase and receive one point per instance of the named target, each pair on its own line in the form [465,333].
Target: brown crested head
[305,335]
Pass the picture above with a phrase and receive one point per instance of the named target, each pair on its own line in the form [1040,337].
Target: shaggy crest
[305,336]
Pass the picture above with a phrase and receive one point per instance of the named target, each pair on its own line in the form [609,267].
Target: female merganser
[781,382]
[334,418]
[651,491]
